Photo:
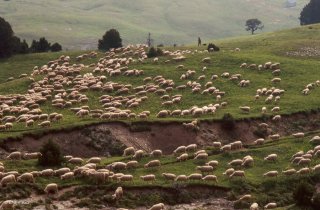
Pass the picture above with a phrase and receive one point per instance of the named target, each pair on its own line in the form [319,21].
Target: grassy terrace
[264,190]
[296,72]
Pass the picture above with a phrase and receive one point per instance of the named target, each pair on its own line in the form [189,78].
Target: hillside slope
[78,24]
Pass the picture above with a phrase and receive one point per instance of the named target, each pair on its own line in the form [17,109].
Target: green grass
[78,24]
[296,72]
[264,190]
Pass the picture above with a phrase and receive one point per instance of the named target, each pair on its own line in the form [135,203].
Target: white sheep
[148,178]
[159,206]
[51,188]
[118,193]
[271,174]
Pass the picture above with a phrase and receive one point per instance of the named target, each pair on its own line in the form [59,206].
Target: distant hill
[78,24]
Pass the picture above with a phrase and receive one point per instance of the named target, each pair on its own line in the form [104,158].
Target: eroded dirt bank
[110,138]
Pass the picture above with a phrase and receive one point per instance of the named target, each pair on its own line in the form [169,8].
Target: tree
[111,39]
[253,25]
[24,47]
[6,39]
[56,47]
[51,154]
[310,14]
[40,46]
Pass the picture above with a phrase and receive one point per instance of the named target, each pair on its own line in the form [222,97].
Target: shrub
[303,194]
[153,52]
[56,47]
[228,122]
[51,154]
[213,46]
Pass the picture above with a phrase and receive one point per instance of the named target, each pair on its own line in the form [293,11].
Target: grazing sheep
[226,148]
[156,153]
[159,206]
[45,124]
[47,172]
[181,178]
[247,161]
[271,174]
[212,178]
[270,206]
[213,163]
[7,205]
[254,206]
[179,150]
[191,147]
[153,163]
[14,156]
[118,166]
[217,144]
[118,193]
[138,154]
[8,179]
[61,171]
[276,118]
[169,176]
[125,178]
[205,169]
[298,135]
[201,156]
[26,177]
[315,140]
[236,162]
[271,157]
[245,109]
[148,178]
[259,141]
[303,171]
[195,176]
[182,157]
[237,174]
[289,172]
[228,172]
[51,188]
[69,175]
[128,151]
[76,161]
[132,164]
[274,137]
[34,155]
[276,80]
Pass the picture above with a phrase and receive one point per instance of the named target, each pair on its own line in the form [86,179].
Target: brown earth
[110,138]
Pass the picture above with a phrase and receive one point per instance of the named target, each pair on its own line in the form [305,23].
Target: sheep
[245,109]
[26,177]
[29,123]
[201,156]
[76,161]
[51,188]
[69,175]
[236,162]
[118,166]
[226,148]
[270,206]
[298,135]
[94,160]
[125,178]
[271,157]
[14,156]
[276,80]
[304,162]
[8,126]
[212,178]
[303,171]
[236,145]
[156,153]
[61,171]
[148,178]
[179,150]
[34,155]
[315,140]
[237,174]
[138,154]
[276,118]
[205,169]
[158,206]
[271,174]
[45,124]
[289,172]
[259,141]
[8,179]
[181,178]
[213,163]
[47,172]
[153,163]
[7,205]
[274,137]
[192,147]
[275,109]
[195,176]
[182,157]
[163,114]
[247,161]
[316,168]
[254,206]
[132,164]
[217,144]
[169,176]
[118,193]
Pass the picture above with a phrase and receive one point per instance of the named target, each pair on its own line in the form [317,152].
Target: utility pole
[149,40]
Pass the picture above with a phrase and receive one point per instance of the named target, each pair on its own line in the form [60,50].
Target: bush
[303,194]
[51,155]
[56,47]
[213,46]
[111,39]
[228,122]
[153,52]
[316,201]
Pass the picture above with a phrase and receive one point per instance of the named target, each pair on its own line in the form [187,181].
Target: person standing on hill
[199,41]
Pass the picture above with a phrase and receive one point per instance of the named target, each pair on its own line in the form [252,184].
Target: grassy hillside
[78,24]
[263,189]
[296,73]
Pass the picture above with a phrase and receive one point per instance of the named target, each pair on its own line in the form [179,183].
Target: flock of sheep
[115,172]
